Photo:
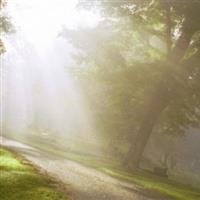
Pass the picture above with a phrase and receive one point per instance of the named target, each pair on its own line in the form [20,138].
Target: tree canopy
[145,56]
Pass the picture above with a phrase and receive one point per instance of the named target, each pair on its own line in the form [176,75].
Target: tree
[166,90]
[114,85]
[5,25]
[173,100]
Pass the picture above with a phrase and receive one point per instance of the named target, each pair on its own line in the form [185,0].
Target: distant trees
[146,56]
[5,25]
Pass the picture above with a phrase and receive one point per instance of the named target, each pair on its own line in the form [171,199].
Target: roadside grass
[21,181]
[144,179]
[152,182]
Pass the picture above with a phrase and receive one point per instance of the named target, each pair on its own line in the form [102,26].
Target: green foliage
[5,26]
[128,56]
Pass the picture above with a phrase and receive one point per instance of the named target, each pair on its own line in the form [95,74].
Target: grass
[19,181]
[144,179]
[162,185]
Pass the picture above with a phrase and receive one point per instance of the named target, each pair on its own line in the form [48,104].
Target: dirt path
[83,182]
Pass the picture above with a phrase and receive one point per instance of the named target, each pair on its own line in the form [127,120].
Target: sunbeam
[41,99]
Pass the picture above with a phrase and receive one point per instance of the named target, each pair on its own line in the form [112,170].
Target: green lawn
[20,181]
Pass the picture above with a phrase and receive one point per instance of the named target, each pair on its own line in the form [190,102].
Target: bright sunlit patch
[43,100]
[41,20]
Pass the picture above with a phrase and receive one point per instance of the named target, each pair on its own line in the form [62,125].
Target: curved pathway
[83,183]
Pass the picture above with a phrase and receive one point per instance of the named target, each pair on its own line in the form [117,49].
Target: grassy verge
[21,181]
[147,180]
[162,185]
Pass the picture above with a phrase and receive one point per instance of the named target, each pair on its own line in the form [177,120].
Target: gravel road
[83,183]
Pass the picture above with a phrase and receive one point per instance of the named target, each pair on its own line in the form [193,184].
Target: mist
[40,99]
[110,85]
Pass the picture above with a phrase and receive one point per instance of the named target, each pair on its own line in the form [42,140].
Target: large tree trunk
[157,104]
[161,98]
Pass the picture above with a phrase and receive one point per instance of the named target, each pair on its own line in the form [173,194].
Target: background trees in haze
[5,25]
[140,70]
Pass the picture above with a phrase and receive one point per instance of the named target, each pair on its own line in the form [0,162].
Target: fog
[40,99]
[113,85]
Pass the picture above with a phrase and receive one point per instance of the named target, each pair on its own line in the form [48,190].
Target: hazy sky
[41,20]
